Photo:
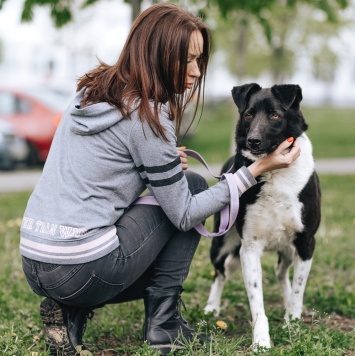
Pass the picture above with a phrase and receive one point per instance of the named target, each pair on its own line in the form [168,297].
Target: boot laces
[179,306]
[90,313]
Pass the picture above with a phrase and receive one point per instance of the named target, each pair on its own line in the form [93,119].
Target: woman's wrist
[256,168]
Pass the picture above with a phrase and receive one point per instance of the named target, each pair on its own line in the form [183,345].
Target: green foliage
[299,27]
[89,2]
[60,10]
[258,7]
[277,19]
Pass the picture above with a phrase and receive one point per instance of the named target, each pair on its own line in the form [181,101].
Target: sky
[30,49]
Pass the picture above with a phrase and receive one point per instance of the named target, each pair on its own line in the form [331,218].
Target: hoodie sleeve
[160,167]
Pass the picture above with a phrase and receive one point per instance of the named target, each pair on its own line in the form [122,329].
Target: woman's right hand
[277,159]
[183,157]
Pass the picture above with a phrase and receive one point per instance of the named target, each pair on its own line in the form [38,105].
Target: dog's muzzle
[255,146]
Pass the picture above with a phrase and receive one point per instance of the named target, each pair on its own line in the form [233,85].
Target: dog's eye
[248,116]
[275,116]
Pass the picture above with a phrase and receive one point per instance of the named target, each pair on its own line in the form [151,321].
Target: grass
[328,325]
[329,316]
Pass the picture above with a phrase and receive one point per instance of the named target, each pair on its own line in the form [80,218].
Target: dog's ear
[288,94]
[242,93]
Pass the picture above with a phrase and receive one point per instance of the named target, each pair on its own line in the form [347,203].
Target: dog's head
[267,117]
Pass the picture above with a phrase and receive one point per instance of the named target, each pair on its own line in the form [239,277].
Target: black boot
[64,328]
[165,328]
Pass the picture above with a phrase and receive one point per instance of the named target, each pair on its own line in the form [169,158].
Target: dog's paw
[262,344]
[289,316]
[261,336]
[209,308]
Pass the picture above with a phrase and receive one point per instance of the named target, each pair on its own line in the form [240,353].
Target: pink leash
[228,214]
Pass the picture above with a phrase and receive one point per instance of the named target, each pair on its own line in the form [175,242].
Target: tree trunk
[277,59]
[136,8]
[241,45]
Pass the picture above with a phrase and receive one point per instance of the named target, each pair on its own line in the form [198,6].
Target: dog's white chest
[274,219]
[276,216]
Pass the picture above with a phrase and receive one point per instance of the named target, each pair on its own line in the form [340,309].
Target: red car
[34,114]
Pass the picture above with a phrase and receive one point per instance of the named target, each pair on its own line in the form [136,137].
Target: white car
[13,149]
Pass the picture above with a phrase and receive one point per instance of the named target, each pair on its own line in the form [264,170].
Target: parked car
[34,114]
[13,149]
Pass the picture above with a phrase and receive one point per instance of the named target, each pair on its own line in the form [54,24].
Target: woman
[84,244]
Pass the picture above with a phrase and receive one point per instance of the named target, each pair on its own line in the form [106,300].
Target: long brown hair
[152,67]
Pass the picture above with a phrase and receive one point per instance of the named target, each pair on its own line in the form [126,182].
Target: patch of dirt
[106,353]
[334,322]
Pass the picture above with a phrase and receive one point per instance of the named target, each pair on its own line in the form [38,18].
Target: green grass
[332,131]
[329,313]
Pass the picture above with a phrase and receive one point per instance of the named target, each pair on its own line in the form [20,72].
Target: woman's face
[195,52]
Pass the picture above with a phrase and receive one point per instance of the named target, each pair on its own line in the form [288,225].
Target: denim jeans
[152,253]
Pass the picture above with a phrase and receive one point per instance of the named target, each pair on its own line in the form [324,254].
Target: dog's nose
[254,142]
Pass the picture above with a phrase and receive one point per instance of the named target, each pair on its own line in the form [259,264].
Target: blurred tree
[326,49]
[237,29]
[136,7]
[324,65]
[261,9]
[254,43]
[62,10]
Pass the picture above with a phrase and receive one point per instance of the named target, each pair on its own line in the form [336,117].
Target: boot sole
[57,341]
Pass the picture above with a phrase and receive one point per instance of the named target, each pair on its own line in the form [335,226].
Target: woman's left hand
[277,159]
[183,157]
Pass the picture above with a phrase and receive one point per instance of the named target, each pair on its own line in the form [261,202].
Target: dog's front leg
[300,276]
[251,266]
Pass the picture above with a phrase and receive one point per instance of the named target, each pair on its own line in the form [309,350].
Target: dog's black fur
[283,100]
[281,210]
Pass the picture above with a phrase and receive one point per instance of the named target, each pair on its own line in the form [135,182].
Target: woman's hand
[277,159]
[183,157]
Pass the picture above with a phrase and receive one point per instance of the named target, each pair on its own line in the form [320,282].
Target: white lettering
[51,229]
[27,223]
[69,231]
[45,228]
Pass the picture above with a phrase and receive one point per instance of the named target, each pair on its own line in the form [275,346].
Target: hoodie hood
[93,118]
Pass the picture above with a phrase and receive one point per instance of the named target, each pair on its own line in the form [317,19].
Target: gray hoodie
[99,164]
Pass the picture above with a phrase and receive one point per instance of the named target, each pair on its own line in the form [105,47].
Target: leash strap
[228,214]
[198,157]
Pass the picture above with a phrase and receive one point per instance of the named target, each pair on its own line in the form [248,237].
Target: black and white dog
[281,213]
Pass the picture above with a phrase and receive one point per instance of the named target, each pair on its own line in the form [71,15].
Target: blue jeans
[152,253]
